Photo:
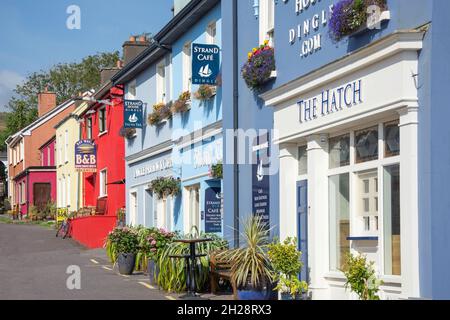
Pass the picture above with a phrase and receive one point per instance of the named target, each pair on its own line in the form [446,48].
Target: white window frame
[353,170]
[266,21]
[49,153]
[161,85]
[102,131]
[211,33]
[187,208]
[63,196]
[59,147]
[69,191]
[22,150]
[66,146]
[89,132]
[103,183]
[133,205]
[187,66]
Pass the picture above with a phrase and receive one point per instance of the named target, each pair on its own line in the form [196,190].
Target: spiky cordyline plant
[250,264]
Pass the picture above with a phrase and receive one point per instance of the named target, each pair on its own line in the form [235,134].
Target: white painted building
[348,138]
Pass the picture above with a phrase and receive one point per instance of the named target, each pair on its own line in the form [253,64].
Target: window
[364,196]
[187,66]
[211,33]
[133,208]
[193,208]
[63,196]
[69,190]
[267,21]
[161,82]
[391,139]
[60,159]
[132,90]
[22,150]
[366,144]
[392,252]
[339,151]
[102,120]
[302,160]
[89,128]
[49,153]
[368,201]
[339,212]
[66,146]
[23,193]
[103,183]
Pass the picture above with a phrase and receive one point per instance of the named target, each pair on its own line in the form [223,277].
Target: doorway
[302,216]
[41,195]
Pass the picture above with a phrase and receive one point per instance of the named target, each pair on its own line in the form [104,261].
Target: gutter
[235,123]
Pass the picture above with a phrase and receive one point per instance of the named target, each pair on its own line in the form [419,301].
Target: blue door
[302,218]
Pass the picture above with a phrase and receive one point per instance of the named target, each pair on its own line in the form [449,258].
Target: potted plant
[259,67]
[285,259]
[351,16]
[161,112]
[361,277]
[216,171]
[128,133]
[205,92]
[251,269]
[183,103]
[156,241]
[165,186]
[122,247]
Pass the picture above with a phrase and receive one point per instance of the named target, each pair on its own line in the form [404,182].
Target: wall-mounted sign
[85,156]
[133,114]
[208,155]
[261,178]
[213,210]
[331,101]
[157,166]
[205,63]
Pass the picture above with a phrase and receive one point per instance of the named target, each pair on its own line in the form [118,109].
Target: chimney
[133,47]
[46,102]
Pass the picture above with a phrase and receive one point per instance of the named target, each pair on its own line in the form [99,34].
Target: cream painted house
[69,181]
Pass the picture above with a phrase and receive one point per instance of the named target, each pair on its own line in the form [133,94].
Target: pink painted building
[36,186]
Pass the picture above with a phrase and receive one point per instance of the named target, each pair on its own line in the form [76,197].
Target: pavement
[34,265]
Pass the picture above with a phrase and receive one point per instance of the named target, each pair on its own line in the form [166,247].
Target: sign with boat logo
[85,156]
[205,63]
[133,114]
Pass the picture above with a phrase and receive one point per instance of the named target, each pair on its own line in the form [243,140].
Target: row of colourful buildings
[345,147]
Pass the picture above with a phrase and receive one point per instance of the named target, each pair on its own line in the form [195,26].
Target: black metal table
[191,261]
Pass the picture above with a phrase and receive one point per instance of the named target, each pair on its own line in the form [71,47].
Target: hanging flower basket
[161,112]
[182,104]
[205,92]
[127,133]
[165,186]
[259,67]
[351,17]
[216,171]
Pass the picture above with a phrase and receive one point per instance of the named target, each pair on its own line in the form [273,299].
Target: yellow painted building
[69,182]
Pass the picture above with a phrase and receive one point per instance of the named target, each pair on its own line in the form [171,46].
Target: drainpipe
[235,122]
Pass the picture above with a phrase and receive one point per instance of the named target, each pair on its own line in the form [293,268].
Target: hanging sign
[213,210]
[133,114]
[205,63]
[261,178]
[85,156]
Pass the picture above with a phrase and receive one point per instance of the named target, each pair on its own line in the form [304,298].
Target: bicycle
[65,228]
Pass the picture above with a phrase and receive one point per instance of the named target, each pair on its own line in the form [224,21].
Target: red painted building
[105,188]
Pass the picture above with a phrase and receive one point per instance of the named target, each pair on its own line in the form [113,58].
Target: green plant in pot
[250,266]
[122,246]
[286,262]
[361,277]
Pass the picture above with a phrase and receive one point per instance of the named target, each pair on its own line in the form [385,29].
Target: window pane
[366,144]
[339,193]
[391,139]
[339,151]
[392,252]
[367,191]
[302,160]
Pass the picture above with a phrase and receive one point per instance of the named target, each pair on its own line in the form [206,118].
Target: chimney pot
[132,39]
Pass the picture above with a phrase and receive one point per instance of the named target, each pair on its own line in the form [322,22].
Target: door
[41,195]
[133,208]
[193,208]
[302,216]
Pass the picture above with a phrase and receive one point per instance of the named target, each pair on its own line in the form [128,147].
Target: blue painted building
[360,139]
[181,145]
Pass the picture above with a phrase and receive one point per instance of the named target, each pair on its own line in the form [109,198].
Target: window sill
[103,196]
[102,134]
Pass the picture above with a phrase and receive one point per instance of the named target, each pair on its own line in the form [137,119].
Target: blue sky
[34,36]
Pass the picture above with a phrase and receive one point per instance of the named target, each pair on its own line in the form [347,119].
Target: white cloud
[8,82]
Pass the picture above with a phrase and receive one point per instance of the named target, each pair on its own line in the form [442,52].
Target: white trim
[208,134]
[195,177]
[150,155]
[375,52]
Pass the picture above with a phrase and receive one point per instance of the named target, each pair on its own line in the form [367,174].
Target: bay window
[364,196]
